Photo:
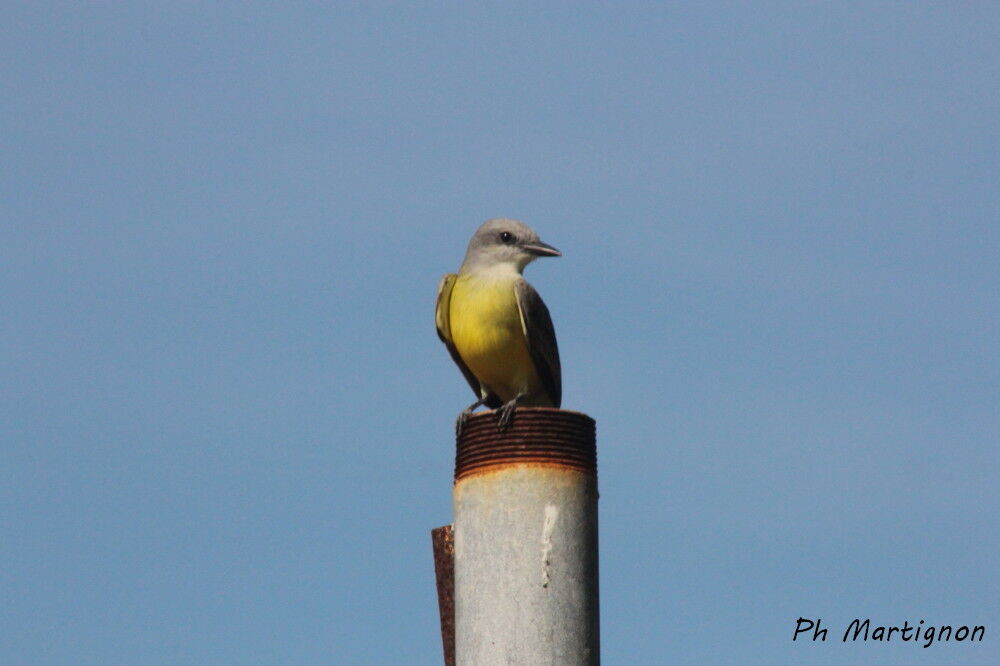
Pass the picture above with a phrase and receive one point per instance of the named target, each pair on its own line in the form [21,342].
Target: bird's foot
[463,418]
[506,414]
[465,415]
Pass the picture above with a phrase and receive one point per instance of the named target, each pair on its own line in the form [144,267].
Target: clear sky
[226,420]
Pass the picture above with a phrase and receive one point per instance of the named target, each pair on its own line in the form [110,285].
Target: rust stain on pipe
[538,436]
[443,539]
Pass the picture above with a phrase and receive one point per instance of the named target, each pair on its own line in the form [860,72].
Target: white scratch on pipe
[551,514]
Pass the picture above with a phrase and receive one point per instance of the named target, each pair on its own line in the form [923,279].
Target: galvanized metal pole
[525,540]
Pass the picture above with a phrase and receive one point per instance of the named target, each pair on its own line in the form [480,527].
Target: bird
[495,325]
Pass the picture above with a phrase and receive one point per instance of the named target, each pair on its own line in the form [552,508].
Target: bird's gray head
[504,242]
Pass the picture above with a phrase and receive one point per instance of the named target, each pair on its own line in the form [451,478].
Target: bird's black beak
[540,249]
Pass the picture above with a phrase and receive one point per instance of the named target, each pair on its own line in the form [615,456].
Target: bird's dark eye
[506,237]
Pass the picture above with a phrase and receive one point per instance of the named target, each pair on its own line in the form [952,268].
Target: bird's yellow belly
[486,330]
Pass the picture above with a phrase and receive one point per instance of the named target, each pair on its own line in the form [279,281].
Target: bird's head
[504,242]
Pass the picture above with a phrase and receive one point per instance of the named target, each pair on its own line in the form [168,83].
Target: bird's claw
[506,416]
[463,418]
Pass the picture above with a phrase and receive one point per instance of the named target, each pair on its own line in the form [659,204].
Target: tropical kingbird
[496,326]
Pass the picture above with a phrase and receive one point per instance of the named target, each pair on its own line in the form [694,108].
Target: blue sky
[225,418]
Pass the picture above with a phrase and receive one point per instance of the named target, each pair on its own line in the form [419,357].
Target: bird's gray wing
[541,336]
[442,320]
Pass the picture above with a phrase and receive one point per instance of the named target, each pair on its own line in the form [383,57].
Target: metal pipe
[443,542]
[525,540]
